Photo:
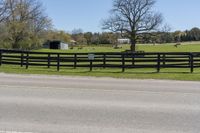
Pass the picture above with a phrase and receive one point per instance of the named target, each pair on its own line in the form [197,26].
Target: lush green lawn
[185,47]
[171,48]
[173,74]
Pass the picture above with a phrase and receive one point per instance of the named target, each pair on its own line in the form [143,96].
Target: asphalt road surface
[56,104]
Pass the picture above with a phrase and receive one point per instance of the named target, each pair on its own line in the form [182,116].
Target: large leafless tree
[133,18]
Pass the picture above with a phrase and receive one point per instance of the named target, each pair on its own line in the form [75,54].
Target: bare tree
[133,18]
[3,10]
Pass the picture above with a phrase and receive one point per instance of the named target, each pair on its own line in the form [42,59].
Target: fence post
[133,59]
[1,54]
[58,62]
[158,63]
[49,60]
[191,62]
[164,59]
[104,60]
[22,59]
[75,61]
[90,65]
[27,60]
[123,62]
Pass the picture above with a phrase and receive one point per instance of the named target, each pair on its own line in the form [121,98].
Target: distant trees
[88,38]
[194,34]
[188,35]
[161,37]
[22,23]
[133,18]
[172,37]
[79,37]
[96,39]
[177,36]
[52,35]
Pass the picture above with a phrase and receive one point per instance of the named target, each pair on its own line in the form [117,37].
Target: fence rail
[122,60]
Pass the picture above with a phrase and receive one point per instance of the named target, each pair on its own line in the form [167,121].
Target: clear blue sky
[87,14]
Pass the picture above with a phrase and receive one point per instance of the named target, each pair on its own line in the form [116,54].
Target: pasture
[185,47]
[144,73]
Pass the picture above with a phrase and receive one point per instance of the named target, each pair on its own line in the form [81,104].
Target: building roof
[72,41]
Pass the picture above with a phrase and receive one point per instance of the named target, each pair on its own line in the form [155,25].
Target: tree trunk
[133,45]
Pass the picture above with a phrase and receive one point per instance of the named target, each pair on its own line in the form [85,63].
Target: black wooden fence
[101,60]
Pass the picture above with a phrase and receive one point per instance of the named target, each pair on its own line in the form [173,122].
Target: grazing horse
[177,44]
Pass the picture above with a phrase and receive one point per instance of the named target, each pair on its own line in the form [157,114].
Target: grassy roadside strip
[169,74]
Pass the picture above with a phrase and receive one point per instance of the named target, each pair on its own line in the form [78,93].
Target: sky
[87,15]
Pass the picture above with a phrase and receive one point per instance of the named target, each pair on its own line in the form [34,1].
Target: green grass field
[185,47]
[172,74]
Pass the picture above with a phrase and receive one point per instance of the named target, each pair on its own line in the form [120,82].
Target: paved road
[56,104]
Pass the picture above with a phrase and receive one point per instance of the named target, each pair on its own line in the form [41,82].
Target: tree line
[172,37]
[88,38]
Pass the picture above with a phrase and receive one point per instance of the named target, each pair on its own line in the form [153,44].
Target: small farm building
[56,45]
[123,41]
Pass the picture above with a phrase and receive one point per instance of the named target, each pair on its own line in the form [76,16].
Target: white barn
[123,41]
